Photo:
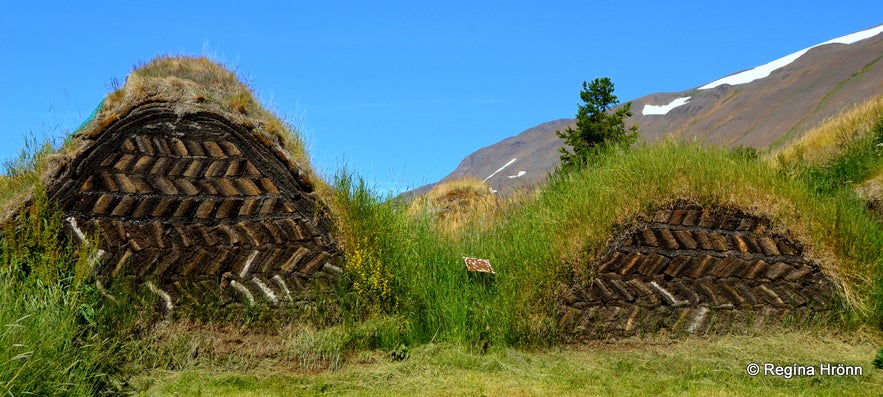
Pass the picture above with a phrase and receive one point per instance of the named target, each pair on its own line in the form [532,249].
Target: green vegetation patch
[695,366]
[49,342]
[537,243]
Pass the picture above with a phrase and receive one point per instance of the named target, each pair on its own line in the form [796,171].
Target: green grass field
[655,366]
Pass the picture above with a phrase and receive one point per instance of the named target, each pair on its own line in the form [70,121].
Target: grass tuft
[49,340]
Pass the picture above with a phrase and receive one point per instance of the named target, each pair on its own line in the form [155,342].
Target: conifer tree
[598,127]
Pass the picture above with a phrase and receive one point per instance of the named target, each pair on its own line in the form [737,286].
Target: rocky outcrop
[696,270]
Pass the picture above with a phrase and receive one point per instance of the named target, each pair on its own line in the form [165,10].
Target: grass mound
[871,191]
[189,84]
[60,336]
[188,81]
[456,203]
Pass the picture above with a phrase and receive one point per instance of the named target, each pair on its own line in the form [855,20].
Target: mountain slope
[766,106]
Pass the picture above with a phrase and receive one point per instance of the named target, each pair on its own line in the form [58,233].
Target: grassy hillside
[537,241]
[405,289]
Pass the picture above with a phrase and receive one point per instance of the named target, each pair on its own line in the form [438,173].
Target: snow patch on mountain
[664,109]
[765,70]
[501,168]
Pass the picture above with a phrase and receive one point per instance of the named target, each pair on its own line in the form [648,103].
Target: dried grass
[199,84]
[457,203]
[827,141]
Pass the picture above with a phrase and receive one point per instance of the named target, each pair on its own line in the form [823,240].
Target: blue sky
[399,92]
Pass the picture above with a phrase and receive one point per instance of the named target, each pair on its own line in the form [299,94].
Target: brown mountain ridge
[764,113]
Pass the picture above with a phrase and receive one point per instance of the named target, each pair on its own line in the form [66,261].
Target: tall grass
[51,342]
[43,347]
[46,346]
[840,153]
[833,160]
[535,245]
[860,158]
[831,138]
[434,296]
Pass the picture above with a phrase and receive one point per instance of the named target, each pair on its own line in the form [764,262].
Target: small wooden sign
[478,265]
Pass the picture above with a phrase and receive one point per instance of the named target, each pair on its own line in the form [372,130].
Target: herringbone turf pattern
[196,200]
[696,270]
